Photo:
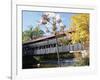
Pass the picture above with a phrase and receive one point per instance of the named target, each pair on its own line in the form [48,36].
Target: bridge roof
[42,38]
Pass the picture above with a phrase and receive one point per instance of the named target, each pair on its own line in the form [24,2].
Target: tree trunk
[57,51]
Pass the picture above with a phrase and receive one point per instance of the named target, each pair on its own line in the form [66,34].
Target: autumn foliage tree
[80,28]
[80,34]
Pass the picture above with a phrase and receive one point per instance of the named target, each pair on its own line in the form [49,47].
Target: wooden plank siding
[49,50]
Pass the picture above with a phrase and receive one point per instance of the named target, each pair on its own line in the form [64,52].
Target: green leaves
[37,32]
[32,34]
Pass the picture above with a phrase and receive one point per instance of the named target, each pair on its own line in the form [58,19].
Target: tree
[53,19]
[80,26]
[27,34]
[80,34]
[37,32]
[31,34]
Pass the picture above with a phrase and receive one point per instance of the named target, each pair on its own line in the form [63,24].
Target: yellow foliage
[80,24]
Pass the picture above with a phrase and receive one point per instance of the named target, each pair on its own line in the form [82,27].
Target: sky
[31,18]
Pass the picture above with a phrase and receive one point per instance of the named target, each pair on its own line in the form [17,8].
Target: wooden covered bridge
[47,45]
